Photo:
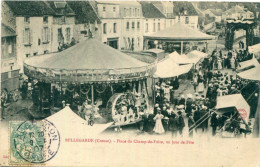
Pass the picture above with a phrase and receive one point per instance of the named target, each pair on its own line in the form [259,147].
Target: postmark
[242,113]
[33,141]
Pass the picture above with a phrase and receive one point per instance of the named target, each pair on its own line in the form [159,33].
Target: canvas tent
[254,49]
[184,59]
[197,54]
[251,74]
[70,124]
[167,68]
[249,63]
[234,100]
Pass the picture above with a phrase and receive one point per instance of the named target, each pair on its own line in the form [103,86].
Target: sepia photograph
[127,83]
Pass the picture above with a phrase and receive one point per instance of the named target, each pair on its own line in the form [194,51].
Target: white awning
[234,100]
[254,49]
[167,68]
[184,59]
[245,64]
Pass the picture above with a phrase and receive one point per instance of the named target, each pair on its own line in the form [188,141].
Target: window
[138,14]
[27,36]
[186,20]
[159,27]
[45,19]
[138,25]
[146,27]
[130,12]
[35,54]
[27,19]
[133,25]
[135,12]
[125,12]
[27,55]
[138,42]
[114,9]
[10,49]
[67,34]
[46,34]
[153,27]
[114,28]
[127,26]
[104,8]
[104,28]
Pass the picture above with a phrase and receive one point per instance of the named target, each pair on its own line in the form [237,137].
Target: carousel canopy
[251,74]
[184,59]
[254,49]
[167,68]
[66,120]
[234,100]
[89,54]
[180,32]
[249,63]
[89,60]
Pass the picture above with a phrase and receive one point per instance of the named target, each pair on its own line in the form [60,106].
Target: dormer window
[27,19]
[114,9]
[104,8]
[45,19]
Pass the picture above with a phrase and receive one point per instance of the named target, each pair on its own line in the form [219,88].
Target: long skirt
[158,128]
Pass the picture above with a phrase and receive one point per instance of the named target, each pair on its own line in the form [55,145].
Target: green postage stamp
[33,142]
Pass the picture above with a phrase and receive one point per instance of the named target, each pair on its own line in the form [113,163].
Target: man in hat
[181,123]
[182,100]
[214,123]
[173,124]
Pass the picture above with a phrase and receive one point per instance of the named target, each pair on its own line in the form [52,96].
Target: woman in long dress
[158,128]
[232,61]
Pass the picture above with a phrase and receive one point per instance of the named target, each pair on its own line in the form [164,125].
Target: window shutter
[42,36]
[23,36]
[31,37]
[48,36]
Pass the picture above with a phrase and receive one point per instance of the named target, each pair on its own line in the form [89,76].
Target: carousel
[94,79]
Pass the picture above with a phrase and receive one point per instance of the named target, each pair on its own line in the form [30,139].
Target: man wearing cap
[181,123]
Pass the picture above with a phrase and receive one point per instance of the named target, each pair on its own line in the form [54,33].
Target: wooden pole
[181,47]
[92,94]
[256,128]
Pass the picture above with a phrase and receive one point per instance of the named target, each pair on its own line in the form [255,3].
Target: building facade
[33,29]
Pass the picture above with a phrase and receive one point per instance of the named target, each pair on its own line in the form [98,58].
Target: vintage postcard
[130,83]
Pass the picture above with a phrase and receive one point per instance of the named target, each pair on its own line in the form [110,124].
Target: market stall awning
[179,32]
[254,49]
[66,120]
[197,54]
[251,74]
[247,64]
[167,68]
[184,59]
[234,100]
[87,61]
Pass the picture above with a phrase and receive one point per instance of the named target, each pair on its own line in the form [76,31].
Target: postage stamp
[33,142]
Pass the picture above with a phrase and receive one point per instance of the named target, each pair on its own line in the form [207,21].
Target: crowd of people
[230,60]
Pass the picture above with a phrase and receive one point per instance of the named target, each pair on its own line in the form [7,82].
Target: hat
[182,96]
[156,105]
[189,95]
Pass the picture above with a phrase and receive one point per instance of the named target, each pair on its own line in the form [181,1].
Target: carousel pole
[181,47]
[92,94]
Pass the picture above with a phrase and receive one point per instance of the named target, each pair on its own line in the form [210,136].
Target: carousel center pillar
[92,94]
[181,47]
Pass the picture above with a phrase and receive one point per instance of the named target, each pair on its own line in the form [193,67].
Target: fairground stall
[177,37]
[235,112]
[85,76]
[254,76]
